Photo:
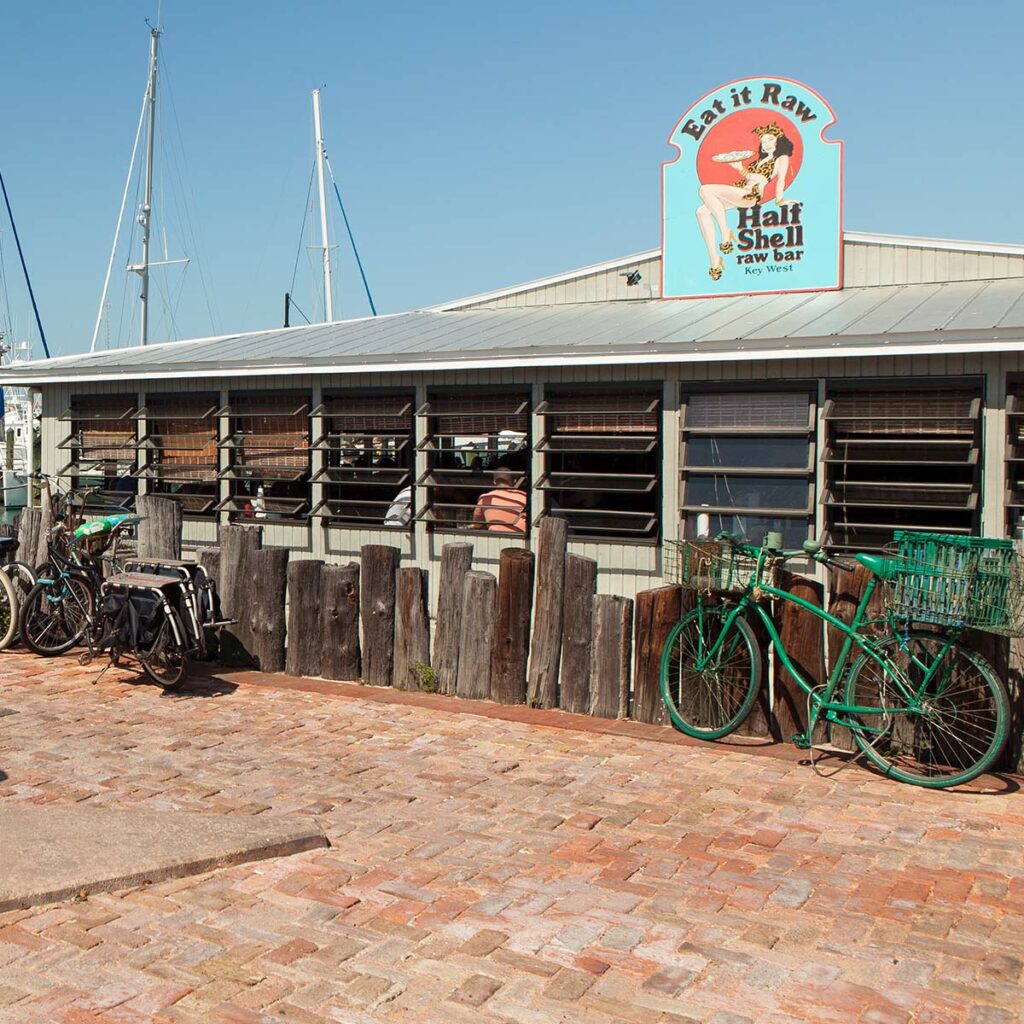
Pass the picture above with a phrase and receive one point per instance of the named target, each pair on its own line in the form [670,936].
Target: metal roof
[623,262]
[886,319]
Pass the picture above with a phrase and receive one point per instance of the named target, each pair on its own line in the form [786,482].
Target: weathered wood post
[28,535]
[45,524]
[209,559]
[238,547]
[339,622]
[270,578]
[577,633]
[546,645]
[656,612]
[803,636]
[610,656]
[305,653]
[512,626]
[476,635]
[412,628]
[456,561]
[159,533]
[377,606]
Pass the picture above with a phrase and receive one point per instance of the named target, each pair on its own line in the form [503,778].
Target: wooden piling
[339,622]
[803,637]
[159,533]
[377,607]
[456,561]
[610,656]
[512,626]
[546,645]
[656,612]
[476,635]
[238,547]
[412,628]
[577,634]
[305,651]
[28,536]
[267,608]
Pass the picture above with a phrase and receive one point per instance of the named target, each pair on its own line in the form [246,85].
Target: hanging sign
[753,202]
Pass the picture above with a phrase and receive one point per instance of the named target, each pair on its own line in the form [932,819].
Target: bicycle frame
[822,703]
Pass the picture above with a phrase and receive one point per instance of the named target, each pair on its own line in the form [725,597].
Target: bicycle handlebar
[820,556]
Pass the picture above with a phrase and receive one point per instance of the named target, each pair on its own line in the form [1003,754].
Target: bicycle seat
[878,564]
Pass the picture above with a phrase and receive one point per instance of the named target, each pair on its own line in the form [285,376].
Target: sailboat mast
[324,240]
[145,215]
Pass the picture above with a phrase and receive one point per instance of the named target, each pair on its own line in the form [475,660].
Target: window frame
[122,408]
[290,509]
[876,517]
[516,415]
[807,472]
[569,400]
[330,477]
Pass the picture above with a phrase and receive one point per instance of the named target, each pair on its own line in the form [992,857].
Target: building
[844,414]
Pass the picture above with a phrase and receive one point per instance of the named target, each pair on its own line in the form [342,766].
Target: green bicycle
[919,704]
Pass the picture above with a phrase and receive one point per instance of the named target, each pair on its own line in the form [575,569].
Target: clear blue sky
[477,144]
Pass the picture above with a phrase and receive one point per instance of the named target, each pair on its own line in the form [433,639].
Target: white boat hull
[15,490]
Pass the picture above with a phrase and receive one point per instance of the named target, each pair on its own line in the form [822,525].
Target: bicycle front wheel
[8,611]
[166,663]
[709,696]
[950,733]
[56,615]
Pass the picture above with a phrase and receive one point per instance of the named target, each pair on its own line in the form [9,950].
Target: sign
[753,202]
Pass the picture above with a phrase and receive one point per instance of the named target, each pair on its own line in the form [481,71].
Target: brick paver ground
[487,870]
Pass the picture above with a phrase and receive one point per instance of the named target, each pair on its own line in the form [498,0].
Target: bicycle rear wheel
[165,662]
[8,611]
[952,734]
[56,615]
[710,697]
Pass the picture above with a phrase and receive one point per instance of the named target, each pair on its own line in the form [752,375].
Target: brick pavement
[490,870]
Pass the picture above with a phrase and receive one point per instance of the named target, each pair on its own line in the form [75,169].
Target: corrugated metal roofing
[965,315]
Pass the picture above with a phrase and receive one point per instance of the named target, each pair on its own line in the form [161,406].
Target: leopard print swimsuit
[766,168]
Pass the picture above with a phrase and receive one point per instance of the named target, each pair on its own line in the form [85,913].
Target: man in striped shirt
[503,509]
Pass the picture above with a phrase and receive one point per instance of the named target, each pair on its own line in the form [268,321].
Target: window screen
[268,445]
[747,462]
[602,461]
[178,452]
[478,461]
[368,441]
[1015,459]
[101,447]
[901,459]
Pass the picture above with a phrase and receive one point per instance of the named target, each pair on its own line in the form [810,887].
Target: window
[1015,458]
[179,450]
[268,445]
[901,459]
[478,461]
[748,464]
[367,476]
[602,461]
[102,447]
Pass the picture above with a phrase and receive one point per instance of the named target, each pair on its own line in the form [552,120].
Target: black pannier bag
[133,619]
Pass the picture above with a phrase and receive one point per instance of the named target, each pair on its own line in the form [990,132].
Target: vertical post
[145,216]
[324,240]
[287,308]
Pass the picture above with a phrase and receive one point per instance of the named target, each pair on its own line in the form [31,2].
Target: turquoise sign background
[753,202]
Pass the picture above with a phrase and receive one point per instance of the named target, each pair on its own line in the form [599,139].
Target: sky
[477,145]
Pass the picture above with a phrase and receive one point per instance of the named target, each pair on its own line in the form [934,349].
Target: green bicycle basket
[711,567]
[958,582]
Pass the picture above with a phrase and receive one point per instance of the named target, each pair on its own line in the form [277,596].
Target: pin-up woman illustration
[771,163]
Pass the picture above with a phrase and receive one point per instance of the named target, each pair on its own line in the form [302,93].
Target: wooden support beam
[412,628]
[479,596]
[159,533]
[512,626]
[377,606]
[546,645]
[456,561]
[305,641]
[656,612]
[339,622]
[577,633]
[610,656]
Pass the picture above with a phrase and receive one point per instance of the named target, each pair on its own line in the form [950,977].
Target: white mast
[324,240]
[147,204]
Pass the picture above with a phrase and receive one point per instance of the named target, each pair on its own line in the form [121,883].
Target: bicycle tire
[51,621]
[9,603]
[959,734]
[714,702]
[164,663]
